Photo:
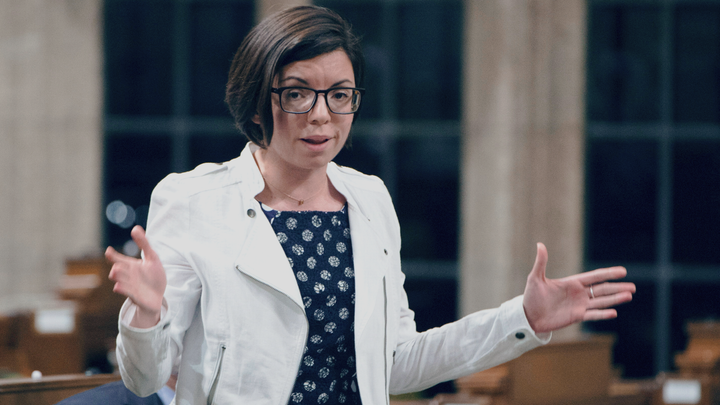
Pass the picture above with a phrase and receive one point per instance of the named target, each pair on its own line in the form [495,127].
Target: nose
[320,113]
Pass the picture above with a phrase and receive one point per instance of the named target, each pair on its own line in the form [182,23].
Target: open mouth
[315,141]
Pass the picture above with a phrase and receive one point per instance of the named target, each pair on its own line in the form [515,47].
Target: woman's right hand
[141,280]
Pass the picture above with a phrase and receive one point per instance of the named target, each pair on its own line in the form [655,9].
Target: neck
[295,189]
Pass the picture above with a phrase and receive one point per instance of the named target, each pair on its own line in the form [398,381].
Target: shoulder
[204,178]
[369,195]
[355,179]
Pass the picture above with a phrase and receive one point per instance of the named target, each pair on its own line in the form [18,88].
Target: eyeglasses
[300,100]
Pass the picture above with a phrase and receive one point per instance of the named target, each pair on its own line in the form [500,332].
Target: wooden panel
[49,390]
[699,362]
[98,307]
[12,359]
[51,353]
[568,371]
[702,355]
[559,373]
[85,287]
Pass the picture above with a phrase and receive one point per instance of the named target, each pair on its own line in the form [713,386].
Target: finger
[118,272]
[541,258]
[116,257]
[600,314]
[610,300]
[612,288]
[138,235]
[119,289]
[601,275]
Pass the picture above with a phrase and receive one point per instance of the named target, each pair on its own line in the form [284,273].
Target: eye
[294,94]
[341,94]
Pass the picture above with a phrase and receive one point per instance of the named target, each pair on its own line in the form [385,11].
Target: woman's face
[313,139]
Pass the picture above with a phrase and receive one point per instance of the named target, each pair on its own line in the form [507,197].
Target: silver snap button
[251,213]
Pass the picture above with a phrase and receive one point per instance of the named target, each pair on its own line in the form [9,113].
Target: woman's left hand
[554,304]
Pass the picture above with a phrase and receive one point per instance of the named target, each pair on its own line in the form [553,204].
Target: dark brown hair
[288,36]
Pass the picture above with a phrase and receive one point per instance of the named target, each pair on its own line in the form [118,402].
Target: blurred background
[593,126]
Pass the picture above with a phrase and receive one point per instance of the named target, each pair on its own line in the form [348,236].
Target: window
[653,168]
[166,65]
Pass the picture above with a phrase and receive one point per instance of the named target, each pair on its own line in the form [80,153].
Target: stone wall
[50,141]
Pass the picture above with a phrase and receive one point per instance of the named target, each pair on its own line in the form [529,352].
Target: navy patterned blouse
[317,244]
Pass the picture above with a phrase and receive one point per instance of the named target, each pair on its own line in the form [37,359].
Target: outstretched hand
[141,280]
[554,304]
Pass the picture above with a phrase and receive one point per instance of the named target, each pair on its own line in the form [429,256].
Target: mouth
[315,140]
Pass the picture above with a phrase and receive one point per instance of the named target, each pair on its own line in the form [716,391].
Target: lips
[315,140]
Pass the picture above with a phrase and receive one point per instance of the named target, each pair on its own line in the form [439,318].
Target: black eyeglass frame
[279,90]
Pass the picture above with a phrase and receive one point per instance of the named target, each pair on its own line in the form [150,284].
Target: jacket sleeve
[474,343]
[147,357]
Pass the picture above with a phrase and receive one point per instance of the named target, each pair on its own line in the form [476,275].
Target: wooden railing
[48,390]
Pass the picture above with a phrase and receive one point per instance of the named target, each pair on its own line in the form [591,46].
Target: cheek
[346,124]
[281,122]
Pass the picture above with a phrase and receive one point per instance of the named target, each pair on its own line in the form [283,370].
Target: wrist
[145,318]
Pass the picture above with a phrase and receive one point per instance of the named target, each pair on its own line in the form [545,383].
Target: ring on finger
[592,294]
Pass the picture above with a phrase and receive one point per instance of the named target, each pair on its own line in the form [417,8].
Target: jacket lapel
[368,257]
[369,268]
[263,259]
[261,256]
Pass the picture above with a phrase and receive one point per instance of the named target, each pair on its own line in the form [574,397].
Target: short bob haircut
[291,35]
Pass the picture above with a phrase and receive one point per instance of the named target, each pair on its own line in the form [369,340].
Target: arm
[488,338]
[163,292]
[476,342]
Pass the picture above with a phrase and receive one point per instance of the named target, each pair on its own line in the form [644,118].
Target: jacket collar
[245,171]
[263,258]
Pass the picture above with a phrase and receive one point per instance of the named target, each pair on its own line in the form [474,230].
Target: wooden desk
[88,291]
[49,390]
[559,373]
[699,363]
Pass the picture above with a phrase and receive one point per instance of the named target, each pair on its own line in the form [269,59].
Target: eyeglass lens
[301,100]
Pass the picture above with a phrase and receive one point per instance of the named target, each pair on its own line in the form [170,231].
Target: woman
[275,278]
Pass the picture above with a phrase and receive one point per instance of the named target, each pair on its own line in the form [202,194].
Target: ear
[256,119]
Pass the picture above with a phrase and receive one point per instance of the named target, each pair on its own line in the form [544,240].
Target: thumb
[538,270]
[113,255]
[138,235]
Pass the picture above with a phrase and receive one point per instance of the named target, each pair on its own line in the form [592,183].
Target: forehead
[335,65]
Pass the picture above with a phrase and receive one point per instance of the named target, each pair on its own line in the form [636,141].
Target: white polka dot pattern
[319,249]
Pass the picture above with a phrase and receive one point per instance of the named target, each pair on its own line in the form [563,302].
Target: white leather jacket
[233,325]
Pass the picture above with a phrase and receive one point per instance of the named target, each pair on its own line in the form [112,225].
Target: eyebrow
[303,81]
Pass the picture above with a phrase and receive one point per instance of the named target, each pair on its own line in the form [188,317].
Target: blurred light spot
[116,212]
[130,248]
[120,214]
[129,218]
